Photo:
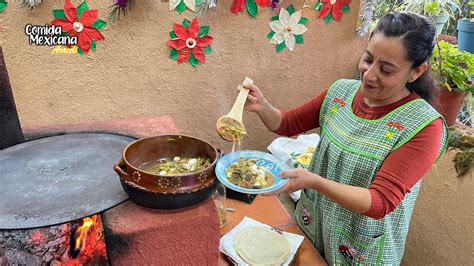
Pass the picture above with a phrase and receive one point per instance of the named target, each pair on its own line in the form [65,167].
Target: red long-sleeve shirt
[402,168]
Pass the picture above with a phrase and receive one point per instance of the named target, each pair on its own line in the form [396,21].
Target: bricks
[137,235]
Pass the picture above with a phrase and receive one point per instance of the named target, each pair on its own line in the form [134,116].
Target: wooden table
[269,210]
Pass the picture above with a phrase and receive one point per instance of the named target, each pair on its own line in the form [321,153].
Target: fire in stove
[79,242]
[80,234]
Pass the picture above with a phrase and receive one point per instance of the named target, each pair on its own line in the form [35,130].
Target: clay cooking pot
[166,192]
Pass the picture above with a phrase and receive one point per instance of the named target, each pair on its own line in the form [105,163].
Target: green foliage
[430,7]
[453,67]
[471,8]
[464,145]
[462,12]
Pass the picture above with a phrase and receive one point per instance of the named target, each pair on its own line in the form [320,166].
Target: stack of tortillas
[262,246]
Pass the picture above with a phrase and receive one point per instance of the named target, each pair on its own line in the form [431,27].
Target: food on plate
[177,165]
[262,246]
[247,174]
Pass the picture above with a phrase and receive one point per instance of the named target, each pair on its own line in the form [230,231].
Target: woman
[379,137]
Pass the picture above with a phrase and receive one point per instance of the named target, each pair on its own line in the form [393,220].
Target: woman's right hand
[255,100]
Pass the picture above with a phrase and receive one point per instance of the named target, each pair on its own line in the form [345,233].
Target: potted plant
[454,69]
[465,28]
[438,10]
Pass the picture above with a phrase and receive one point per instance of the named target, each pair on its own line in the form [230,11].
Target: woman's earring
[411,79]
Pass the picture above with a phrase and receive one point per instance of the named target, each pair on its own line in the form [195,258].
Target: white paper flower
[286,27]
[191,4]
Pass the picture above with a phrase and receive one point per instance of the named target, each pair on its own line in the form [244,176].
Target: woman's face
[384,70]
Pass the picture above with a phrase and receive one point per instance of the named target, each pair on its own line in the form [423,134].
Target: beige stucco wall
[130,73]
[442,226]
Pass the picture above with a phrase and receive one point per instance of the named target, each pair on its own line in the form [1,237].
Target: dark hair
[418,37]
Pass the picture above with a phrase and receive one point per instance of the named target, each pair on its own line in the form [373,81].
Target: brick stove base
[137,235]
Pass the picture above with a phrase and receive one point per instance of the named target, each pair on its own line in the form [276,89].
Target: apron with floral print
[351,151]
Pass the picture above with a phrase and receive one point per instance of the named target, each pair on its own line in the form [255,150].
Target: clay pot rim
[175,175]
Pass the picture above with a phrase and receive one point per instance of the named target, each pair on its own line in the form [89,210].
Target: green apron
[351,151]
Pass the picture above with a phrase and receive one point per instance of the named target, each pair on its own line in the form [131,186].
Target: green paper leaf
[99,24]
[181,7]
[59,13]
[299,38]
[303,20]
[174,54]
[93,45]
[186,23]
[270,34]
[318,6]
[345,9]
[3,6]
[252,7]
[280,47]
[203,31]
[79,51]
[194,62]
[275,18]
[291,9]
[328,18]
[208,50]
[173,35]
[81,8]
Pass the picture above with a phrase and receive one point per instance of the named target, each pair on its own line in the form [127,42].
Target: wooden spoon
[230,126]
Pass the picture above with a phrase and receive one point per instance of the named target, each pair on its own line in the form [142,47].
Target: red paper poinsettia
[79,24]
[332,9]
[252,8]
[190,41]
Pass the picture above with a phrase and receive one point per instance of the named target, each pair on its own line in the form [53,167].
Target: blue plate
[272,163]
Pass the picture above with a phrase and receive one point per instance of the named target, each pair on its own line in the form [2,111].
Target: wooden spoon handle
[238,107]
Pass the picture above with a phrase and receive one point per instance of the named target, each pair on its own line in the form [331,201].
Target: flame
[83,230]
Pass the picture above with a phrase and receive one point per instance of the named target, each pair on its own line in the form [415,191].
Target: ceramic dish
[267,160]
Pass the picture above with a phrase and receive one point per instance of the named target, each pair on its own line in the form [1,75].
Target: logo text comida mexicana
[48,35]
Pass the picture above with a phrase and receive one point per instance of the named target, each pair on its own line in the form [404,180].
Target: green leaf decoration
[99,24]
[299,38]
[318,6]
[181,7]
[328,18]
[275,18]
[303,20]
[345,9]
[203,31]
[3,5]
[252,7]
[280,47]
[79,51]
[81,8]
[93,45]
[291,9]
[59,13]
[174,54]
[208,50]
[186,23]
[173,35]
[270,34]
[194,62]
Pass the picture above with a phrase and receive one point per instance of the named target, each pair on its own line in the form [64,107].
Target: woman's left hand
[299,178]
